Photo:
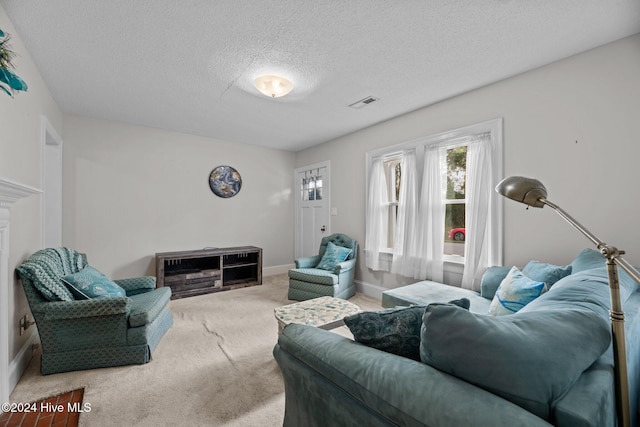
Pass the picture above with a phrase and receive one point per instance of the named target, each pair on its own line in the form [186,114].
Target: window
[455,201]
[393,174]
[445,191]
[311,186]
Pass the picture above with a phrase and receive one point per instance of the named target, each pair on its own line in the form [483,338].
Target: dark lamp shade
[524,190]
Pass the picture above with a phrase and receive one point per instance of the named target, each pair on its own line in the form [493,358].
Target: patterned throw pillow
[90,283]
[515,291]
[394,330]
[333,256]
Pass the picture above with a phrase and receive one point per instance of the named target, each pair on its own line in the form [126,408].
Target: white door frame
[51,185]
[10,192]
[326,194]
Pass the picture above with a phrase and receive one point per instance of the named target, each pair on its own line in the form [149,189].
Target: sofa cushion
[90,283]
[394,330]
[314,275]
[529,358]
[547,273]
[333,256]
[146,306]
[426,292]
[491,279]
[592,260]
[515,291]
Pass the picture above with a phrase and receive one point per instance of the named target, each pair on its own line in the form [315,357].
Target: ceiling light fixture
[273,86]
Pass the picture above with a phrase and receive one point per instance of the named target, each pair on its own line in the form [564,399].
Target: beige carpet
[213,368]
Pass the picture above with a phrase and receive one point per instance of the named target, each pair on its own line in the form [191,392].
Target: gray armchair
[308,282]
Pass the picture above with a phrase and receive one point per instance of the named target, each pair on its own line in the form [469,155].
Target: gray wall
[20,161]
[572,124]
[131,191]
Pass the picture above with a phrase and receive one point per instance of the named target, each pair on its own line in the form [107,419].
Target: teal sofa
[99,332]
[548,364]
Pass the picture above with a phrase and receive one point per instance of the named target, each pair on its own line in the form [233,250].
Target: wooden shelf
[203,271]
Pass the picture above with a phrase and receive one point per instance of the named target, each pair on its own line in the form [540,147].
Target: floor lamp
[531,192]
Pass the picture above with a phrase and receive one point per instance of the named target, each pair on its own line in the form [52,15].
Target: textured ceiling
[188,65]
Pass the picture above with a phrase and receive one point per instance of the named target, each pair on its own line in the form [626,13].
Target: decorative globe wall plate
[225,181]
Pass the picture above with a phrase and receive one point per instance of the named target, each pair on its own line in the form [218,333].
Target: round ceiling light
[273,86]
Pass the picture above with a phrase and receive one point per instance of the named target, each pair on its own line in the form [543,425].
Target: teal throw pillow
[586,260]
[90,283]
[515,291]
[333,256]
[547,273]
[491,279]
[594,262]
[529,358]
[394,330]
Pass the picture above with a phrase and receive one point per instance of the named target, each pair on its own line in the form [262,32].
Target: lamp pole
[613,259]
[531,192]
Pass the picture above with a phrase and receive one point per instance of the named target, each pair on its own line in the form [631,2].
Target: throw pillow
[394,330]
[491,279]
[90,283]
[593,261]
[547,273]
[515,291]
[333,256]
[529,358]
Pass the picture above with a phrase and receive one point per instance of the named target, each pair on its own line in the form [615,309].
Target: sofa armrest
[307,262]
[136,285]
[95,307]
[317,363]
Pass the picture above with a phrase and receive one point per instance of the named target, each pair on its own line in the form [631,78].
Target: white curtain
[432,212]
[406,238]
[479,193]
[376,218]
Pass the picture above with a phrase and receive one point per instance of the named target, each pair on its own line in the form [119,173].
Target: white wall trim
[369,289]
[51,184]
[10,192]
[277,269]
[19,363]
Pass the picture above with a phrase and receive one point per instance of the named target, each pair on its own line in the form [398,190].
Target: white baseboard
[370,290]
[277,269]
[19,364]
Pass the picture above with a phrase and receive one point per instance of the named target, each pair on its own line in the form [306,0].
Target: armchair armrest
[94,307]
[307,262]
[344,266]
[136,283]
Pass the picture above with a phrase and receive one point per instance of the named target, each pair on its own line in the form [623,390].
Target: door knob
[323,228]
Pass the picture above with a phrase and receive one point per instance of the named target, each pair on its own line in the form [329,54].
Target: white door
[312,189]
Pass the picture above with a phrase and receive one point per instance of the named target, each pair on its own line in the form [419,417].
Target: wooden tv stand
[203,271]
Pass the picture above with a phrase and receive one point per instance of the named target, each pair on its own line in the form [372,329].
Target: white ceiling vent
[364,102]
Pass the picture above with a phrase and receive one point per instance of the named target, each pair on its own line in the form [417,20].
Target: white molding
[370,290]
[19,363]
[51,183]
[277,269]
[10,192]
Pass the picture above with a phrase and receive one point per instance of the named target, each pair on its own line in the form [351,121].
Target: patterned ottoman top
[316,312]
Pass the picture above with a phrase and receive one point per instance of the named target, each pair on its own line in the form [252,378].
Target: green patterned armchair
[98,332]
[330,273]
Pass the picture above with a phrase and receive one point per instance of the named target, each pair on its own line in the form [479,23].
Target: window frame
[494,128]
